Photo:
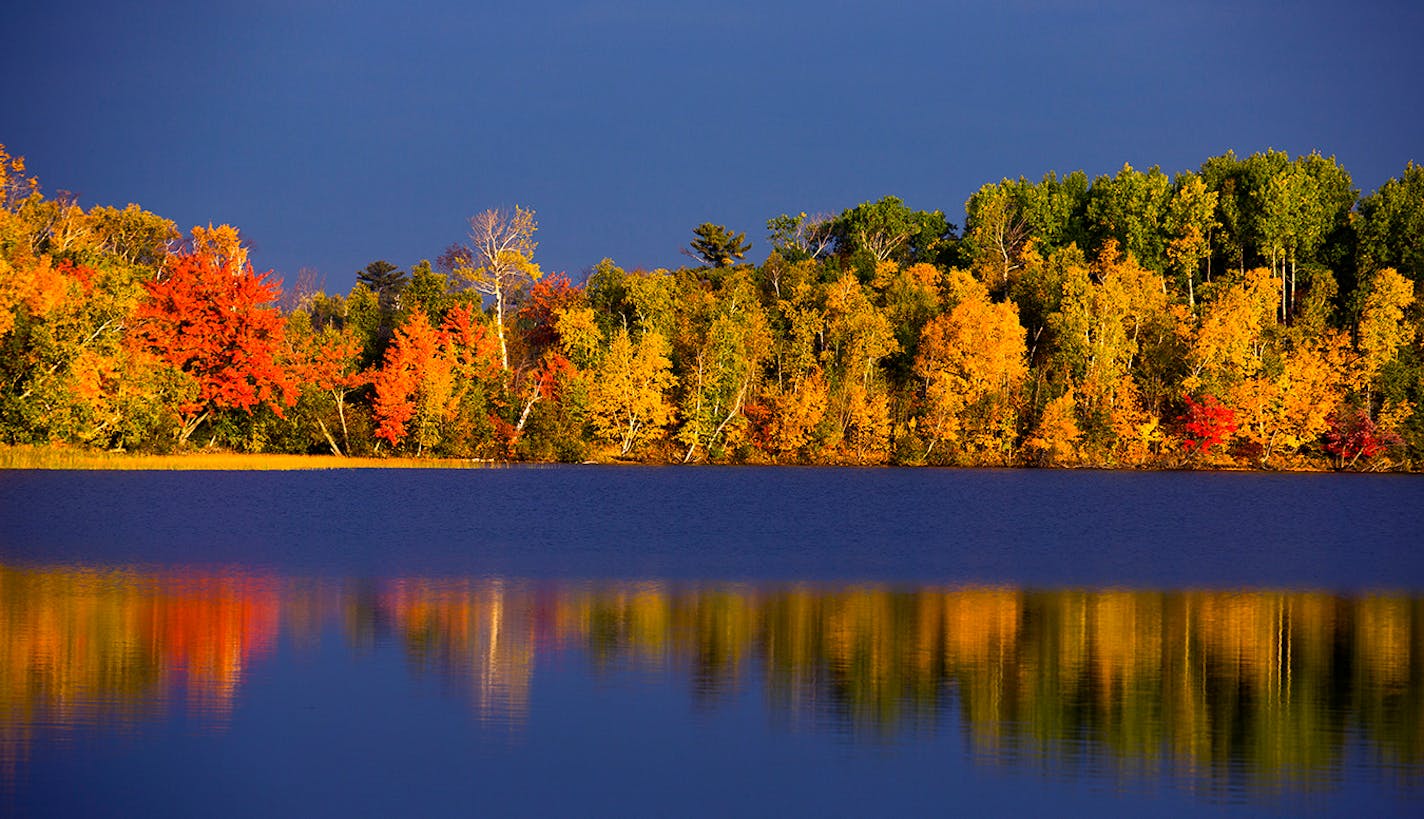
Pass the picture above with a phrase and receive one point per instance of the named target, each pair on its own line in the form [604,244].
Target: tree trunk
[329,440]
[499,327]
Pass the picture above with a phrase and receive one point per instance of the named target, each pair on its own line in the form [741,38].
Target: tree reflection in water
[1269,686]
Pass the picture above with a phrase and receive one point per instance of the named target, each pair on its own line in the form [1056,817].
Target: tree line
[1255,313]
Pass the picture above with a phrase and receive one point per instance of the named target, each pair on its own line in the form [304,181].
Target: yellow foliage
[971,354]
[1228,345]
[223,242]
[628,400]
[1382,327]
[1057,433]
[1282,414]
[794,414]
[579,335]
[865,419]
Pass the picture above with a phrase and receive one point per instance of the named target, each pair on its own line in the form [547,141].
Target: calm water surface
[643,641]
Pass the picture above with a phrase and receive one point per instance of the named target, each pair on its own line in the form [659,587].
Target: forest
[1255,313]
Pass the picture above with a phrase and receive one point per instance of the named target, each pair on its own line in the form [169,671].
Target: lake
[710,641]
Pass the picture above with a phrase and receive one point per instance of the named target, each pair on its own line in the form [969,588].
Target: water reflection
[1264,689]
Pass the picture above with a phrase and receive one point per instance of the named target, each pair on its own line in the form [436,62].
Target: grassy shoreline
[62,458]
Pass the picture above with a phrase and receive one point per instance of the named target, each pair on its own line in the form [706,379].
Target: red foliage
[469,344]
[760,416]
[1353,435]
[1207,423]
[328,362]
[422,358]
[551,373]
[80,273]
[541,309]
[216,320]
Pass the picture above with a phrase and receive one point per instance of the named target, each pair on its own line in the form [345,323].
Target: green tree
[385,280]
[1131,208]
[800,237]
[1391,226]
[718,246]
[1190,219]
[888,230]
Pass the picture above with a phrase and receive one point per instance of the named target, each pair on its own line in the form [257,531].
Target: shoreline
[48,458]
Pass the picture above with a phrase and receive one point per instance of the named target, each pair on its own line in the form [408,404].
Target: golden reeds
[54,457]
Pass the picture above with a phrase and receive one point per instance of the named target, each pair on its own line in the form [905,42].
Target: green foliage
[385,279]
[888,230]
[718,246]
[1391,226]
[1131,209]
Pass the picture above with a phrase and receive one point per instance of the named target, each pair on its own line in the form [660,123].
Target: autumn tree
[326,362]
[212,317]
[971,359]
[1354,435]
[1055,437]
[629,399]
[1231,342]
[1382,329]
[426,375]
[723,369]
[411,380]
[15,186]
[1206,423]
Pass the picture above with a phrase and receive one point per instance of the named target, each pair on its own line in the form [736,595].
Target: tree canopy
[1252,312]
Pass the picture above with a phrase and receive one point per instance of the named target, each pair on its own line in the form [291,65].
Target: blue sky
[334,134]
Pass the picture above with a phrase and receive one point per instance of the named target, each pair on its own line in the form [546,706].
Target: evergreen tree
[718,246]
[385,279]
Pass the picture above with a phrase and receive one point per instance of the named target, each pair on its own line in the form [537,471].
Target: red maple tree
[1354,435]
[1206,423]
[215,319]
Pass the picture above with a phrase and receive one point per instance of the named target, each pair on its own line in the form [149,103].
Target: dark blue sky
[334,133]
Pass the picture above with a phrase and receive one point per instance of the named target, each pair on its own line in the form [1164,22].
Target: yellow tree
[784,418]
[1229,344]
[857,337]
[1054,440]
[972,358]
[1383,329]
[1112,324]
[722,374]
[1281,412]
[629,396]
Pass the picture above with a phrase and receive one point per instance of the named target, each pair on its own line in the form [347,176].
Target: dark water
[705,641]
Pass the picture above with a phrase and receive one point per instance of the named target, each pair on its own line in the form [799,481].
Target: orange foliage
[217,321]
[425,369]
[410,361]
